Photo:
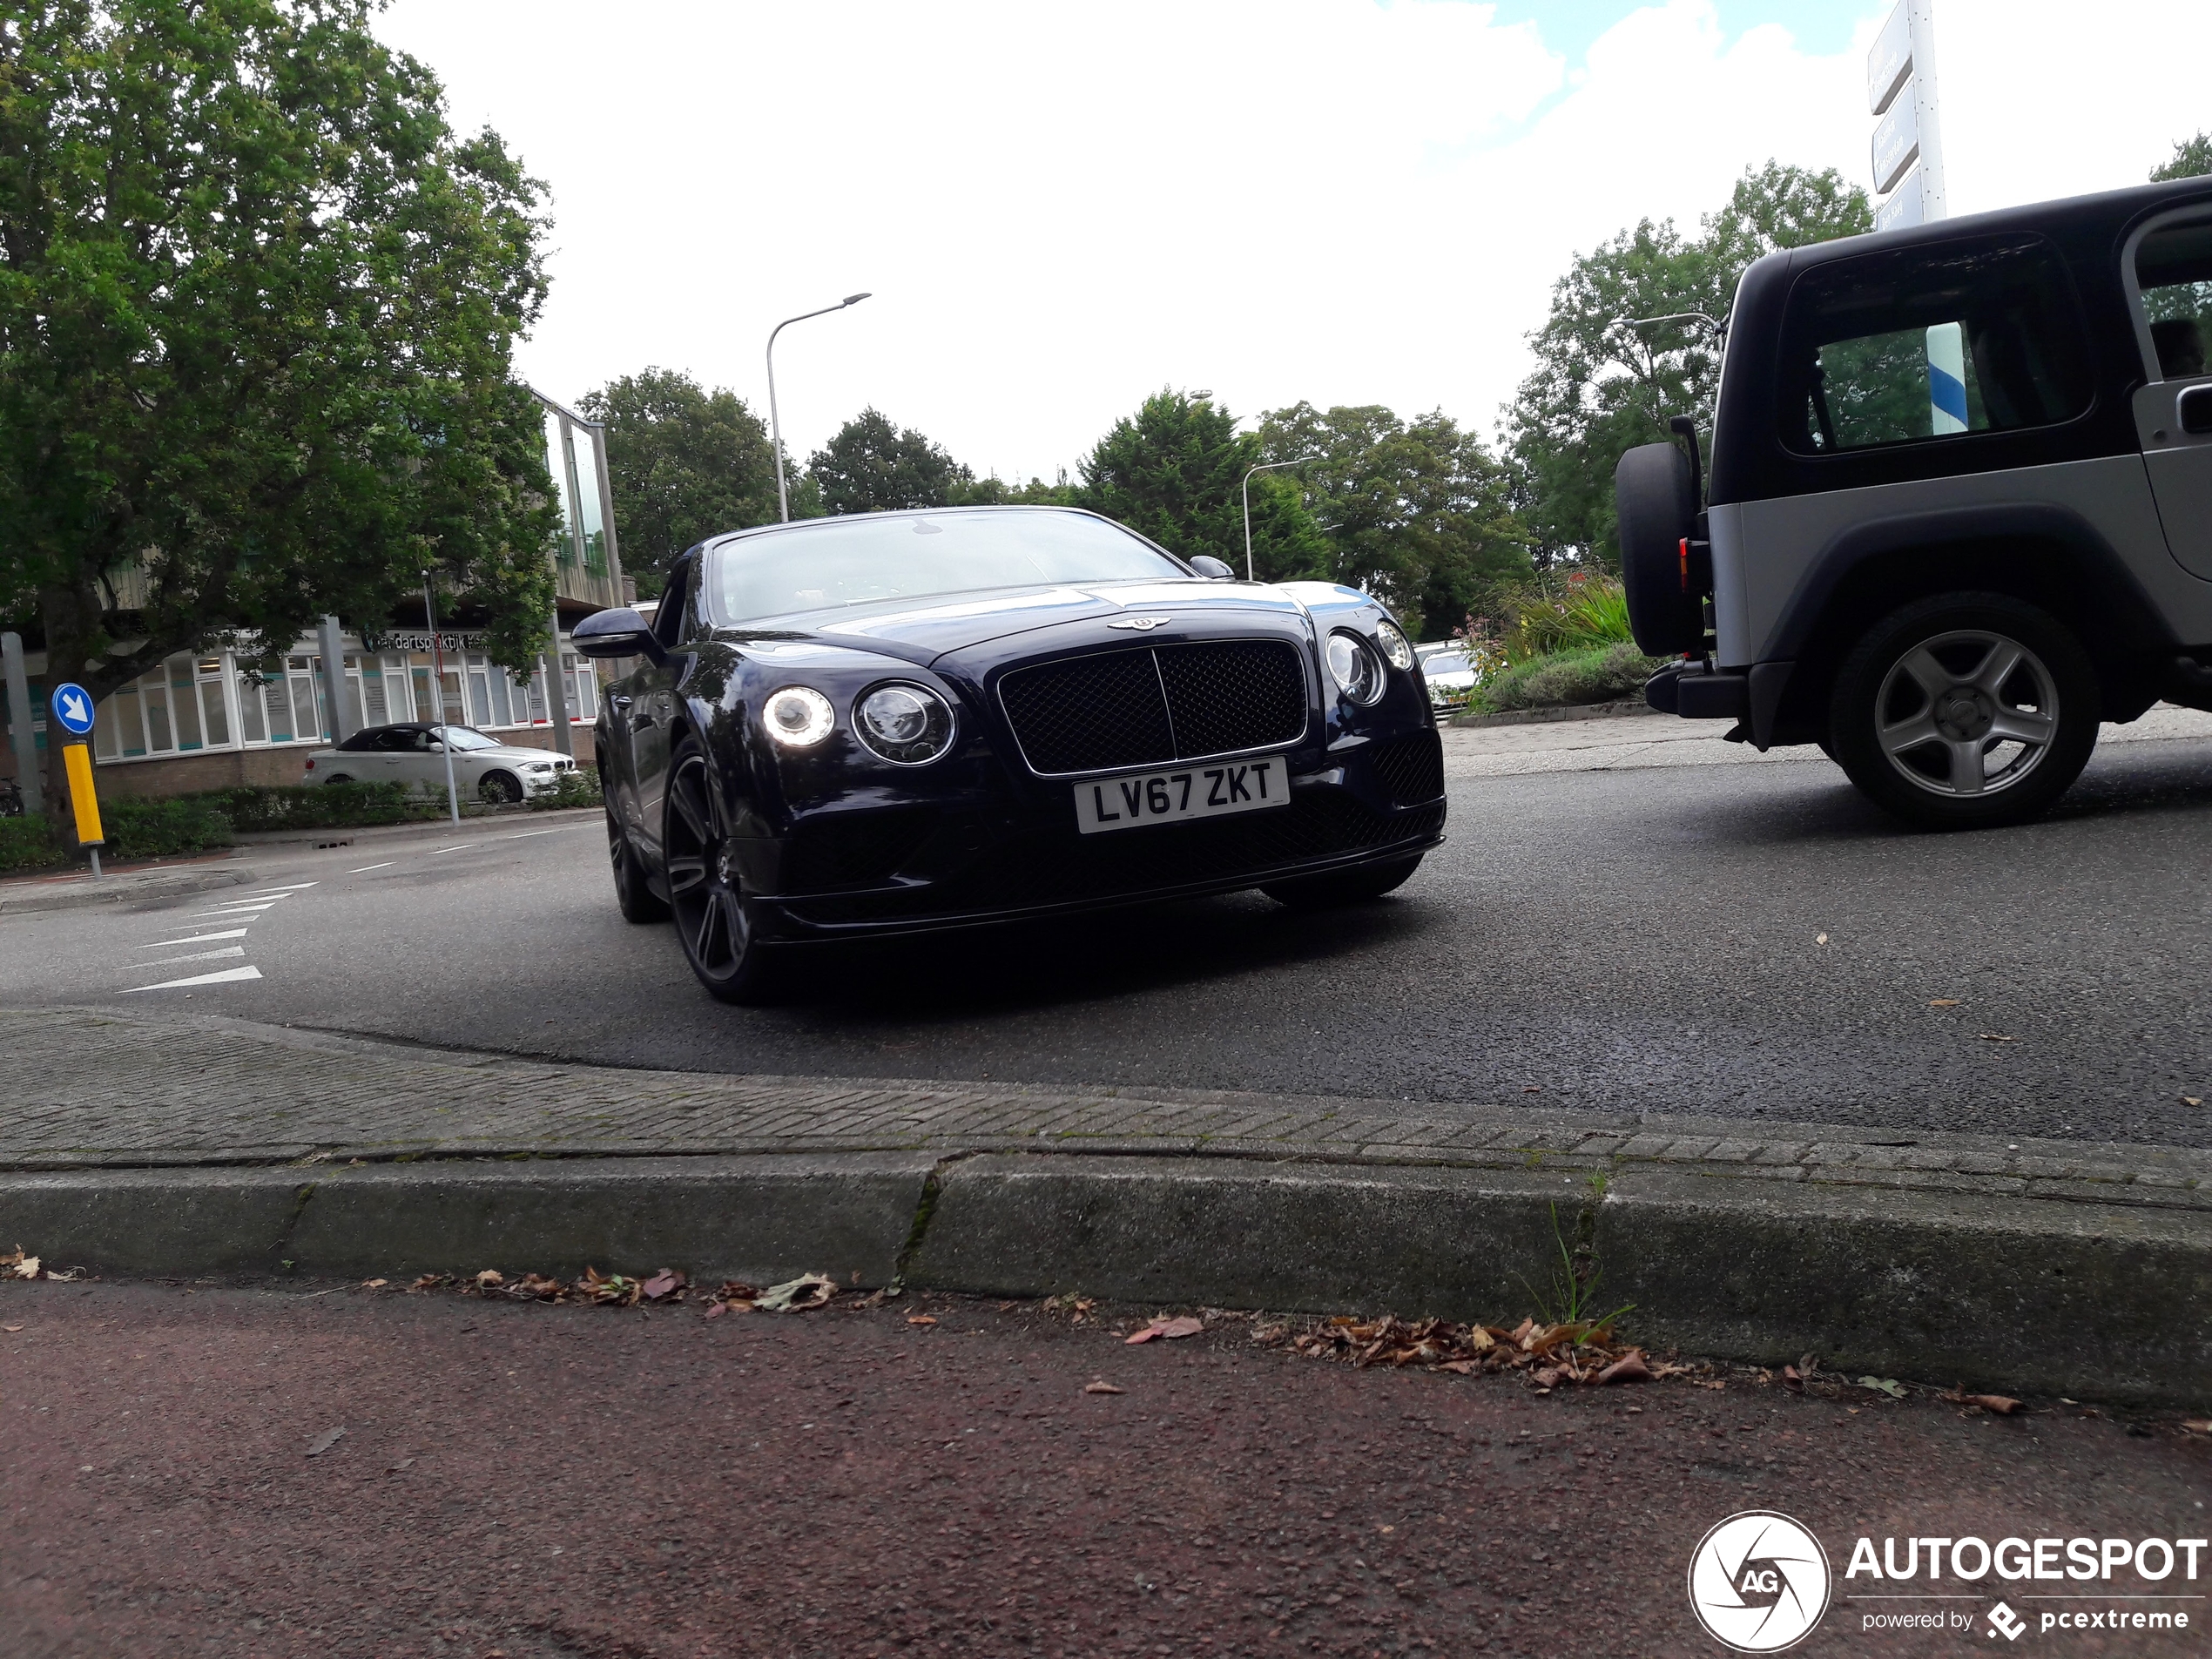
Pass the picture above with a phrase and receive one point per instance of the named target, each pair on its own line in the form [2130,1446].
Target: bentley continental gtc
[893,723]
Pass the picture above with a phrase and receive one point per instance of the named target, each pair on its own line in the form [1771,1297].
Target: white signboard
[447,640]
[1896,143]
[1890,64]
[1906,208]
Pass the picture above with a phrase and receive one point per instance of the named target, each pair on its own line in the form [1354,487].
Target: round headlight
[1353,667]
[797,717]
[904,723]
[1394,646]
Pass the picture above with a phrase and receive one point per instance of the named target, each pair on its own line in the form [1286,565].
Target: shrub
[1589,610]
[577,788]
[277,806]
[28,843]
[1595,674]
[161,829]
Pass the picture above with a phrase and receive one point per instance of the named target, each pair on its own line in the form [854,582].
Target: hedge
[26,843]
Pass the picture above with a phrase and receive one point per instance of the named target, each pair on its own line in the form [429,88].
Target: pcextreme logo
[1758,1581]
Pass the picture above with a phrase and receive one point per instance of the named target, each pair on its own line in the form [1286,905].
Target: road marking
[366,867]
[229,911]
[225,977]
[526,834]
[263,899]
[293,888]
[196,956]
[196,939]
[463,847]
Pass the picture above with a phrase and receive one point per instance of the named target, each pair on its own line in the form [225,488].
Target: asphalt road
[1747,939]
[526,1481]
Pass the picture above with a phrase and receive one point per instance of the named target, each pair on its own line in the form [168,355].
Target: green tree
[257,301]
[872,466]
[684,464]
[1174,471]
[2192,158]
[1602,386]
[1415,512]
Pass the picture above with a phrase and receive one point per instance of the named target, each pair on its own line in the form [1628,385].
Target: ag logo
[1758,1581]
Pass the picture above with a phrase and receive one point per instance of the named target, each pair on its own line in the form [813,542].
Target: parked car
[1960,501]
[413,752]
[1451,678]
[893,723]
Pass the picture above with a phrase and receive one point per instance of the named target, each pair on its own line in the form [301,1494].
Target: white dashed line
[367,868]
[227,976]
[463,847]
[281,892]
[196,939]
[526,834]
[195,956]
[228,911]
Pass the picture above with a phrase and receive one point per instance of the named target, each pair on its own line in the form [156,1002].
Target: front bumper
[911,868]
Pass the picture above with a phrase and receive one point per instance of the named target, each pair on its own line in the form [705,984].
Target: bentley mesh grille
[1044,867]
[1139,708]
[1411,767]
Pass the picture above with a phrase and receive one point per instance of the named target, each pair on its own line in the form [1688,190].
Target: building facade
[214,720]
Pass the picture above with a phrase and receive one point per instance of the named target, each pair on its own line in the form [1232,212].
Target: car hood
[921,630]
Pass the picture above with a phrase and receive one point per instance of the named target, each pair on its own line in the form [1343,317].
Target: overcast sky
[1062,207]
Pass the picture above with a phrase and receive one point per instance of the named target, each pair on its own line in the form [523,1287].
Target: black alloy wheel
[704,893]
[500,788]
[1342,886]
[633,897]
[1966,711]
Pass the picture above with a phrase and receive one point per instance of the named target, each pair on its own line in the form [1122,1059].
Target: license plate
[1191,792]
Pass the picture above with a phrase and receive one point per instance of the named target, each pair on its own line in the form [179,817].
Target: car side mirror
[1212,568]
[618,633]
[436,748]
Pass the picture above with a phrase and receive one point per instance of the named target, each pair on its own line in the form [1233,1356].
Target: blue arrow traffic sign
[72,705]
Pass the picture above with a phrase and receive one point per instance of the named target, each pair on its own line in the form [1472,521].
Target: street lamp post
[438,696]
[775,426]
[1264,466]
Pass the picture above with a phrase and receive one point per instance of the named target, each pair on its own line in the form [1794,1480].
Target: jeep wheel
[1964,711]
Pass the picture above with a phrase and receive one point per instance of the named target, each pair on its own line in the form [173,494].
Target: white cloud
[1060,208]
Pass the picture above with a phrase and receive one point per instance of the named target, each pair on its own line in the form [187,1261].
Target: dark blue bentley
[890,723]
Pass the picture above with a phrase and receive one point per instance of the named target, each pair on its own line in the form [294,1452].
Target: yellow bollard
[77,760]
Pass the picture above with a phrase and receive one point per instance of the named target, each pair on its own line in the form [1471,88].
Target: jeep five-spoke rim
[702,873]
[1966,713]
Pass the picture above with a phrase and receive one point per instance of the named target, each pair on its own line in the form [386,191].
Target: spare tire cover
[1655,507]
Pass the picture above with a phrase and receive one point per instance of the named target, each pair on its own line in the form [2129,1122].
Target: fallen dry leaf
[921,1319]
[1184,1326]
[662,1284]
[1822,940]
[2003,1404]
[2198,1425]
[373,1283]
[1629,1367]
[27,1268]
[489,1279]
[1102,1388]
[324,1441]
[10,1329]
[1992,1037]
[796,1296]
[2191,1100]
[1945,1002]
[716,1310]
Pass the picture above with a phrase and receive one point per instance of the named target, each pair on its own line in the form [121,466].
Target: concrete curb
[1621,710]
[2094,1301]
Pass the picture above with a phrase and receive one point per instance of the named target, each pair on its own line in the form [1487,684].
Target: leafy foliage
[257,303]
[577,788]
[872,466]
[1174,471]
[2192,158]
[1595,674]
[1415,512]
[1602,387]
[279,806]
[684,464]
[163,829]
[28,843]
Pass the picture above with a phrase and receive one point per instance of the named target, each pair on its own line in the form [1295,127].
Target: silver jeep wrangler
[1960,501]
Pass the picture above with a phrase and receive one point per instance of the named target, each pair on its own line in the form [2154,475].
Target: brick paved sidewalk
[94,1089]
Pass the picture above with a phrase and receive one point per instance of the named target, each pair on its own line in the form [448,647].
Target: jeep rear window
[2173,269]
[1931,343]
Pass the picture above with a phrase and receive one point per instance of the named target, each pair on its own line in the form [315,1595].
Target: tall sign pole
[1908,174]
[1908,129]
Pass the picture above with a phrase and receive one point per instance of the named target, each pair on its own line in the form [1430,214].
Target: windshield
[1444,663]
[464,737]
[850,561]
